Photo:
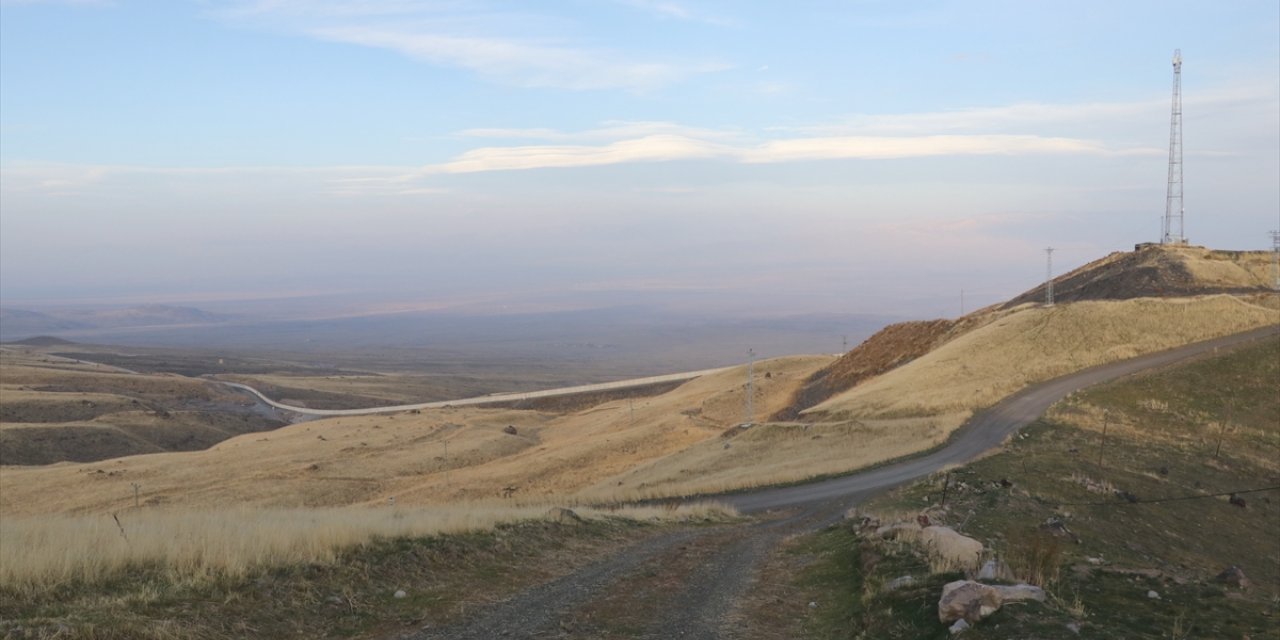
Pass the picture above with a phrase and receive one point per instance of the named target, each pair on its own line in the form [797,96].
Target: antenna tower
[1048,277]
[1173,209]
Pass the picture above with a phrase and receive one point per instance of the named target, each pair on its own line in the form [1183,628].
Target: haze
[717,157]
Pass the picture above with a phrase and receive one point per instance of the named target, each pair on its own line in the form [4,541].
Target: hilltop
[1149,271]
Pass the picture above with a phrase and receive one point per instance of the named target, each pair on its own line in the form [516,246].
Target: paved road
[985,430]
[489,399]
[703,605]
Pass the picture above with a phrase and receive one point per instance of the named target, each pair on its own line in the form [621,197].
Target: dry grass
[197,546]
[776,453]
[368,459]
[1035,343]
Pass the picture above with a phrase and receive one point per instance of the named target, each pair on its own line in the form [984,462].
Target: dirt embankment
[892,346]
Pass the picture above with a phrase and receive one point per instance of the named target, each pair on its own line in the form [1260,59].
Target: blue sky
[829,156]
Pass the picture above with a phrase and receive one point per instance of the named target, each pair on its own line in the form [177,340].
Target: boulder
[967,600]
[563,516]
[1233,576]
[954,547]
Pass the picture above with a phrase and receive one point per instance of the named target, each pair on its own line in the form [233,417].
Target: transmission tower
[1048,276]
[1173,209]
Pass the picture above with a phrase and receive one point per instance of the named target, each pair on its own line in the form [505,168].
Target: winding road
[464,402]
[705,603]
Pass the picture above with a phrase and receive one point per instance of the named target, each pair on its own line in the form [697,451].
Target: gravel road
[702,606]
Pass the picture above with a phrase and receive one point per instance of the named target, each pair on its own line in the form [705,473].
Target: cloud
[672,147]
[677,11]
[457,35]
[654,148]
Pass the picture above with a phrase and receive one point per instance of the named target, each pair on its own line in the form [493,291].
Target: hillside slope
[1154,271]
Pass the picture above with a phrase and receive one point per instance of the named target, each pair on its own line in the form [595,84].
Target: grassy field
[55,409]
[292,574]
[1174,440]
[428,457]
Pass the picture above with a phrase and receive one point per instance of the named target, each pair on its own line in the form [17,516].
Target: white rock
[959,627]
[400,594]
[1153,595]
[967,599]
[900,582]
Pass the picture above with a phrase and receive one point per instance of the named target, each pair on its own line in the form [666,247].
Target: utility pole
[751,361]
[1048,277]
[1173,207]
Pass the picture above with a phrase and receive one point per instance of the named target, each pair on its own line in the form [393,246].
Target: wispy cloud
[673,147]
[87,3]
[678,11]
[461,35]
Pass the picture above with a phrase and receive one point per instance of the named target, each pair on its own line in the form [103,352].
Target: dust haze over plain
[697,160]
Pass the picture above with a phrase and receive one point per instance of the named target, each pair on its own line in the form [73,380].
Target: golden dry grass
[1036,343]
[369,459]
[196,546]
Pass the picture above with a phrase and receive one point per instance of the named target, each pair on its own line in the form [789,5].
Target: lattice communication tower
[1173,209]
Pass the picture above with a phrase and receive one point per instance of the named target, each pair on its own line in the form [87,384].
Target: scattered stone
[1237,501]
[1126,496]
[959,627]
[1073,627]
[813,605]
[967,600]
[991,569]
[1094,561]
[1233,576]
[1004,482]
[1056,527]
[899,583]
[510,430]
[563,516]
[334,600]
[400,594]
[1164,471]
[1020,593]
[1153,595]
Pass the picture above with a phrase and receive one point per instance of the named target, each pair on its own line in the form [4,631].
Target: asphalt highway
[984,431]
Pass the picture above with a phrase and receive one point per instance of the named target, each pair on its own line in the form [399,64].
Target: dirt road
[687,584]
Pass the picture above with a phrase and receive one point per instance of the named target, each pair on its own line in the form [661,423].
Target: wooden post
[946,484]
[1227,419]
[1102,445]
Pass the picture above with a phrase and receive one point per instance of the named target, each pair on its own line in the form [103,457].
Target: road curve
[489,399]
[983,431]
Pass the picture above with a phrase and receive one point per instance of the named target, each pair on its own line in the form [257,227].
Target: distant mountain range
[16,324]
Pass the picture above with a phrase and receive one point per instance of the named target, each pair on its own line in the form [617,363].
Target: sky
[862,156]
